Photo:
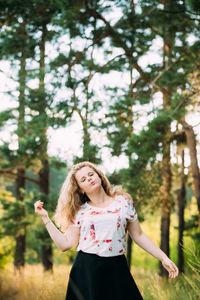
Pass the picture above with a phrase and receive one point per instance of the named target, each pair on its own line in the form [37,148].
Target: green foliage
[149,142]
[90,154]
[77,32]
[191,227]
[6,251]
[17,42]
[193,6]
[118,123]
[7,244]
[18,216]
[5,116]
[13,219]
[189,284]
[9,157]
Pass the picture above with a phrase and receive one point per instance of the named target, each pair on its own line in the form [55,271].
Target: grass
[184,287]
[35,285]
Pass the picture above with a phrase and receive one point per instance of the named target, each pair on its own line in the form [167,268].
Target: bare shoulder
[126,198]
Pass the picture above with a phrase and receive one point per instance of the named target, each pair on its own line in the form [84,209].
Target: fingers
[38,205]
[171,268]
[39,210]
[173,271]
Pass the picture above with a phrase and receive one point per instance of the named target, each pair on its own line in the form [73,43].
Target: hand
[39,210]
[170,267]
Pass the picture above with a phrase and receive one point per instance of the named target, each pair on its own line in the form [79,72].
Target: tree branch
[9,172]
[185,99]
[100,68]
[115,35]
[79,56]
[177,135]
[167,69]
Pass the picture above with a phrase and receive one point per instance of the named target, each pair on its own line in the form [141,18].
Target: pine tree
[17,46]
[171,22]
[29,19]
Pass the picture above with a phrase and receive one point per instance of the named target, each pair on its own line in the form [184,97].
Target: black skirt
[94,277]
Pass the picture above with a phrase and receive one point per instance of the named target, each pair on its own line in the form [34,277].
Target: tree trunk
[19,255]
[191,143]
[86,139]
[20,248]
[46,249]
[181,207]
[129,251]
[47,259]
[168,41]
[164,245]
[130,128]
[166,201]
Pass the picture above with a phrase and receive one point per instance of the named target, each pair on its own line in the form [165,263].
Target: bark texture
[129,251]
[19,255]
[166,201]
[191,143]
[20,248]
[181,222]
[46,249]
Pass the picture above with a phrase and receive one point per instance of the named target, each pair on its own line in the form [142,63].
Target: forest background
[115,83]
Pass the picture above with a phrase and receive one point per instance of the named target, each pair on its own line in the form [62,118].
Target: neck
[98,197]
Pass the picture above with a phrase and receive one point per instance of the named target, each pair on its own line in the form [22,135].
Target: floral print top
[103,230]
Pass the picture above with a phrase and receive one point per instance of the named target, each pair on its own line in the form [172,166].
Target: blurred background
[111,82]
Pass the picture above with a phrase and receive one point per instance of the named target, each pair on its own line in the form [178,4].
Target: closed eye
[89,174]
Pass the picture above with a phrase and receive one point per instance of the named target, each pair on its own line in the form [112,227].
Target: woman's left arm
[144,241]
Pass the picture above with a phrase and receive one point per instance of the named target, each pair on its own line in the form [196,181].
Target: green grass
[184,287]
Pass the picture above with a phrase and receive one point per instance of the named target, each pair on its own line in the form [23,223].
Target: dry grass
[34,284]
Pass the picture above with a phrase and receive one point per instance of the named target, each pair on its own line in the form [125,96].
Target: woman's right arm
[64,241]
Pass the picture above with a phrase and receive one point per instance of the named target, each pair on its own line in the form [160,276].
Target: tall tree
[17,46]
[40,101]
[171,30]
[191,143]
[80,67]
[169,21]
[34,18]
[20,180]
[44,171]
[181,221]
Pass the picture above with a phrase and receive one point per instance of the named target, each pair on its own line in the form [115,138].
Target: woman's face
[88,180]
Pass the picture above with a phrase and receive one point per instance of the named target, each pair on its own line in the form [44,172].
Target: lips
[92,182]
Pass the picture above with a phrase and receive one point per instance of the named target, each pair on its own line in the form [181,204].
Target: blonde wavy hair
[71,198]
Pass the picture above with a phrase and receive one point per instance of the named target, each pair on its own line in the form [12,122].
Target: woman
[96,218]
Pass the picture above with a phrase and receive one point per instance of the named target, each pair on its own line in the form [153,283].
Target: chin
[95,187]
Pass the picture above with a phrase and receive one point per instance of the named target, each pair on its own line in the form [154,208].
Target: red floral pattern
[103,230]
[118,222]
[92,231]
